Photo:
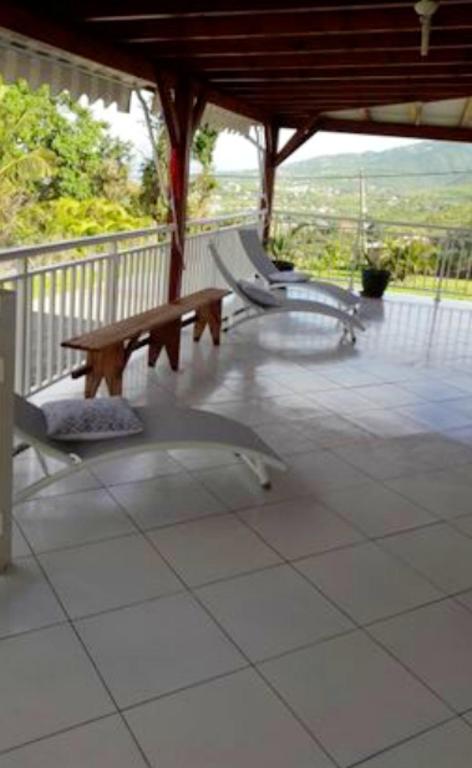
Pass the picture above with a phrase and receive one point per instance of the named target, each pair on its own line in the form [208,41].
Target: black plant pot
[282,265]
[374,282]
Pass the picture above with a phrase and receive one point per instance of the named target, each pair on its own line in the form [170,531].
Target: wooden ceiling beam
[96,49]
[389,40]
[327,60]
[64,36]
[408,94]
[422,71]
[349,84]
[384,75]
[435,132]
[347,22]
[335,105]
[120,10]
[356,97]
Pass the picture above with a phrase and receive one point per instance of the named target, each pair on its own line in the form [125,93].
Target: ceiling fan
[426,10]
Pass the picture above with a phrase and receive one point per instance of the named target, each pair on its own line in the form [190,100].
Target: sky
[234,152]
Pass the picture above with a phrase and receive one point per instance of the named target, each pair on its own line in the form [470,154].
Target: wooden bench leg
[107,364]
[94,375]
[214,321]
[211,316]
[200,323]
[167,337]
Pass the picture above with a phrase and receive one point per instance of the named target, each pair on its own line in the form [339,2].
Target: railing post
[113,284]
[442,271]
[21,349]
[7,364]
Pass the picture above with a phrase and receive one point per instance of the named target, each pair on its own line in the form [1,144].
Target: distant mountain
[422,157]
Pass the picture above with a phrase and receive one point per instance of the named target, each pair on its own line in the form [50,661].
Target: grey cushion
[259,295]
[97,419]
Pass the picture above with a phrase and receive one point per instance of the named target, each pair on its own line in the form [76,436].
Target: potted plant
[278,246]
[376,274]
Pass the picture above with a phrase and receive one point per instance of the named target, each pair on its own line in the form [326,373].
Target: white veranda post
[7,357]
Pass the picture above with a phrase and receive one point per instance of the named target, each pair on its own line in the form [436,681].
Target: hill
[418,158]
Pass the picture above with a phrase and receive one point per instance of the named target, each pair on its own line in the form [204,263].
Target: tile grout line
[364,630]
[249,663]
[72,627]
[288,562]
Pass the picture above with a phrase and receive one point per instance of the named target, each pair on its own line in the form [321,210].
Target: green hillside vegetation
[419,182]
[63,174]
[423,157]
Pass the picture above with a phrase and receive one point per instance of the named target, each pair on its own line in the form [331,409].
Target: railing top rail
[212,233]
[58,246]
[355,220]
[30,251]
[225,217]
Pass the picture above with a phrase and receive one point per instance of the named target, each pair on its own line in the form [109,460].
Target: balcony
[185,617]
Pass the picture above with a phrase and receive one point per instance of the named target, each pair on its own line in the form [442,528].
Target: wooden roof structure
[272,60]
[335,65]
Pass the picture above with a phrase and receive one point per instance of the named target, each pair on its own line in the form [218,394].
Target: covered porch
[177,614]
[164,610]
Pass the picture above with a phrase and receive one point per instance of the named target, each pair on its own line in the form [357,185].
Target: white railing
[423,258]
[66,288]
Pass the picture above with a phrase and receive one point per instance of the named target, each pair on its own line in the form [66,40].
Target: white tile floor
[166,612]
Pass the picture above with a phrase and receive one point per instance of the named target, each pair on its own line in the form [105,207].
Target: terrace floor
[164,611]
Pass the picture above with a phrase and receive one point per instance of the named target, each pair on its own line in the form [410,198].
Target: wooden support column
[183,104]
[271,134]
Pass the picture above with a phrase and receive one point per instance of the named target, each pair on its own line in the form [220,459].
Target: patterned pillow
[258,295]
[98,419]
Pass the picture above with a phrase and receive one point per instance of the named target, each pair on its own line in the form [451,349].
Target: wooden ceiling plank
[344,73]
[22,21]
[96,49]
[435,132]
[366,77]
[384,85]
[326,60]
[347,22]
[409,94]
[119,9]
[305,42]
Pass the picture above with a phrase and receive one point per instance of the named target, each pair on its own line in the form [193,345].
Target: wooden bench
[110,347]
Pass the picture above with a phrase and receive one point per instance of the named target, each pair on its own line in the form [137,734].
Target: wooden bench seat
[110,347]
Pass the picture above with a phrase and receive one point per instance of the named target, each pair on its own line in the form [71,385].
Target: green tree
[53,149]
[154,172]
[87,159]
[22,167]
[204,183]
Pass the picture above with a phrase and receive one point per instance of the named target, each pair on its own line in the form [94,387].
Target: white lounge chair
[262,302]
[275,278]
[164,429]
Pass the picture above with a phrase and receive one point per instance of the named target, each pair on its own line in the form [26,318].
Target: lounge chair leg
[42,461]
[258,467]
